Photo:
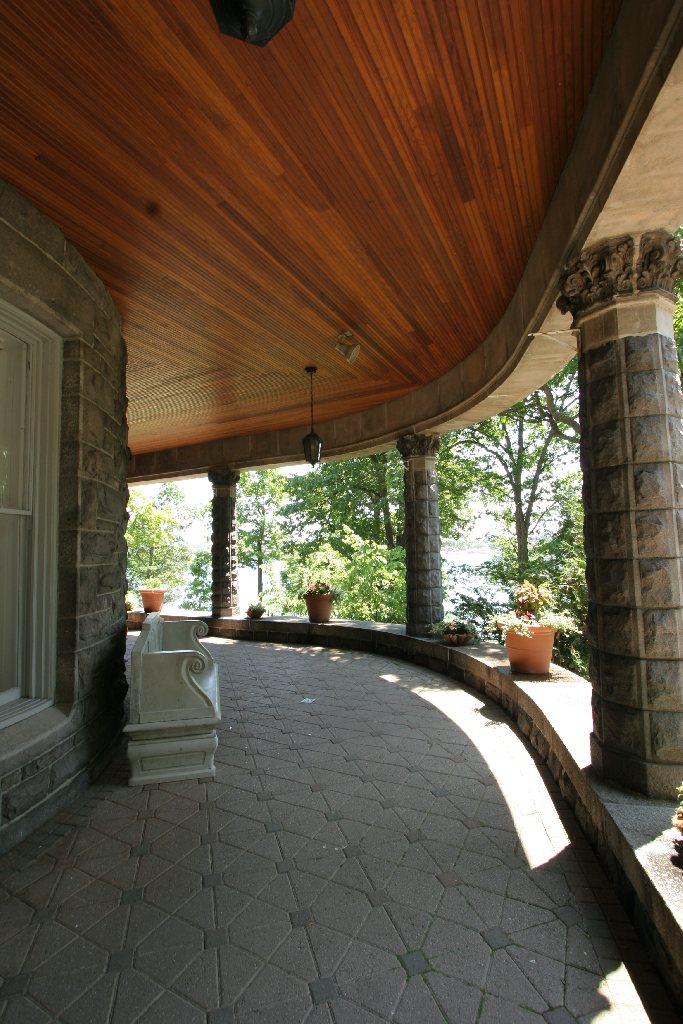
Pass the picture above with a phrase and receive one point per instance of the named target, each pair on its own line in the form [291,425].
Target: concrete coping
[632,834]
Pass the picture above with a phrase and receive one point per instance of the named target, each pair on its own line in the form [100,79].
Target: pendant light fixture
[313,444]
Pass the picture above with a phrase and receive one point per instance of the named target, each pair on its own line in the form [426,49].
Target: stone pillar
[620,294]
[422,532]
[224,591]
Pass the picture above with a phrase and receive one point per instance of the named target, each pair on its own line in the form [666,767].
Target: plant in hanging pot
[450,631]
[530,629]
[319,596]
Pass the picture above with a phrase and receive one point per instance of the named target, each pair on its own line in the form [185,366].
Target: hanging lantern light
[313,444]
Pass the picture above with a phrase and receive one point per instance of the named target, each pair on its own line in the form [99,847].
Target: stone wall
[46,757]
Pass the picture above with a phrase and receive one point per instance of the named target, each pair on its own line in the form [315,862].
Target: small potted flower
[530,629]
[319,596]
[255,611]
[449,631]
[677,820]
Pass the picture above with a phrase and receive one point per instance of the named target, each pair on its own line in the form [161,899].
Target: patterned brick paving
[389,852]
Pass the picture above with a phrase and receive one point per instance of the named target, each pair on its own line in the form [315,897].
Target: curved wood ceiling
[382,166]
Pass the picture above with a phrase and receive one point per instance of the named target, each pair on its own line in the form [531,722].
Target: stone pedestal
[424,590]
[224,589]
[632,459]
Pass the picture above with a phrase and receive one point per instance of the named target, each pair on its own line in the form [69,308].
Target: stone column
[224,591]
[620,294]
[422,532]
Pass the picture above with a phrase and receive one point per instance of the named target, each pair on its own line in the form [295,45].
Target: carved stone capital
[619,267]
[222,480]
[414,445]
[660,263]
[597,276]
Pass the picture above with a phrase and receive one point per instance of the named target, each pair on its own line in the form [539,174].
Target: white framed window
[30,396]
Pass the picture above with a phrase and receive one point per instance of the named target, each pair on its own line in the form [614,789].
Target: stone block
[21,798]
[677,484]
[78,269]
[672,391]
[652,485]
[20,215]
[656,533]
[612,535]
[664,685]
[662,630]
[642,353]
[68,766]
[605,401]
[646,393]
[660,585]
[610,488]
[608,443]
[649,439]
[601,361]
[614,579]
[618,631]
[666,737]
[618,679]
[623,729]
[675,428]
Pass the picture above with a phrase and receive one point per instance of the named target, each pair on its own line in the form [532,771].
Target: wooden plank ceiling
[382,166]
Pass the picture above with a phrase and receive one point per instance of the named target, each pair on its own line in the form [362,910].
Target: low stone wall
[558,729]
[47,757]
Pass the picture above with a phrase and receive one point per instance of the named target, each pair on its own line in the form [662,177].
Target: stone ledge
[631,833]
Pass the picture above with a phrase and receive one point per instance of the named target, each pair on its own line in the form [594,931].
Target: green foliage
[364,495]
[259,519]
[369,581]
[157,553]
[197,596]
[512,459]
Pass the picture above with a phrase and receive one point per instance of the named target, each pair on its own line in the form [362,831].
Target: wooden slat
[382,168]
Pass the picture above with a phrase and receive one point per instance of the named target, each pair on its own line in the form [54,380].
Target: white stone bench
[174,703]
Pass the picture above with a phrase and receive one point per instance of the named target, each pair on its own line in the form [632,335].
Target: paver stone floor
[379,844]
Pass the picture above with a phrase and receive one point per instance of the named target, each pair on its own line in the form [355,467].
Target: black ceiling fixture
[254,21]
[313,444]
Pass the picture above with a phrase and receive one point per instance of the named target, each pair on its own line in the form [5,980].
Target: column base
[646,777]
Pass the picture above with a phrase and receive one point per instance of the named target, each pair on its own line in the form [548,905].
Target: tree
[157,554]
[364,494]
[512,459]
[259,519]
[369,580]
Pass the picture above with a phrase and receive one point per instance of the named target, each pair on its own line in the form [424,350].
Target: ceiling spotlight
[346,347]
[313,444]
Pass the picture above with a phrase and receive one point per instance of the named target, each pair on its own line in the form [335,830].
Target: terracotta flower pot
[319,607]
[530,655]
[456,638]
[153,599]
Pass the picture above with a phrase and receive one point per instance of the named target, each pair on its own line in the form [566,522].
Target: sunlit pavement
[379,845]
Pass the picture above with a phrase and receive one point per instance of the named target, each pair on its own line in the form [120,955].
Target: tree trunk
[259,568]
[383,498]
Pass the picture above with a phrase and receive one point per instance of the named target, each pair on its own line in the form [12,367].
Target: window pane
[12,602]
[13,373]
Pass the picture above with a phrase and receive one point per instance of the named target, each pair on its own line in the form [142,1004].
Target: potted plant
[530,629]
[255,611]
[450,631]
[319,596]
[152,595]
[677,820]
